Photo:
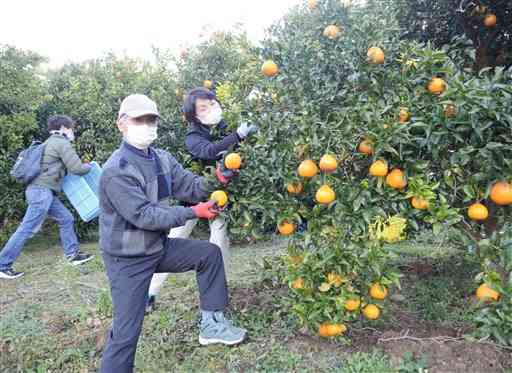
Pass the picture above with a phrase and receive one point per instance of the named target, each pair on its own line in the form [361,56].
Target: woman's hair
[55,122]
[189,107]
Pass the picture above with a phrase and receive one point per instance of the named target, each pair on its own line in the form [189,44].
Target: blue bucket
[83,192]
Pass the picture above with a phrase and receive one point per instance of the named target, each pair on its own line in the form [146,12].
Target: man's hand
[205,210]
[223,174]
[245,129]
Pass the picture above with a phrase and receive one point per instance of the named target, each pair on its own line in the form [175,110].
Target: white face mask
[213,117]
[71,136]
[141,136]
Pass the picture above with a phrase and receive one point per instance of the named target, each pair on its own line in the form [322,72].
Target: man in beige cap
[135,188]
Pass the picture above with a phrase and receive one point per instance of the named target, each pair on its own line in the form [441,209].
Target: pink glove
[205,210]
[222,179]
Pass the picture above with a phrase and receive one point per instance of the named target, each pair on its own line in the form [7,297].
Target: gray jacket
[59,156]
[135,189]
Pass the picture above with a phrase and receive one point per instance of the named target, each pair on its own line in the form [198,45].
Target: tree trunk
[482,57]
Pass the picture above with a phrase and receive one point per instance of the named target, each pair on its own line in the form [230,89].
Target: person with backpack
[204,115]
[136,187]
[43,167]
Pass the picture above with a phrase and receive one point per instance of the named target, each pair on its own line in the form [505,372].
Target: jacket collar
[149,154]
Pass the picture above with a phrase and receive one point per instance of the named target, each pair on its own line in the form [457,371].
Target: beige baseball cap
[137,105]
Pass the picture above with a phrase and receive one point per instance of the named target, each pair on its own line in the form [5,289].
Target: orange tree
[21,95]
[436,139]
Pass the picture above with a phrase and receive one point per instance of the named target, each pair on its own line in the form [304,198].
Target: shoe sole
[209,341]
[5,277]
[78,262]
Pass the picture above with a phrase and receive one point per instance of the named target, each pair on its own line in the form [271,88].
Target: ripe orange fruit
[501,193]
[490,20]
[378,291]
[312,4]
[450,111]
[220,197]
[325,195]
[365,147]
[331,31]
[436,86]
[352,304]
[396,179]
[477,211]
[286,228]
[307,169]
[331,330]
[328,163]
[323,330]
[375,55]
[298,283]
[379,168]
[336,329]
[294,188]
[207,84]
[485,293]
[371,312]
[269,68]
[419,203]
[404,115]
[233,161]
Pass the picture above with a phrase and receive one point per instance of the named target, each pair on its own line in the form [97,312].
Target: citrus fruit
[450,111]
[501,193]
[307,169]
[490,20]
[378,291]
[375,55]
[371,312]
[220,197]
[294,188]
[328,163]
[365,147]
[325,195]
[436,86]
[269,68]
[331,31]
[379,168]
[419,203]
[485,293]
[352,304]
[478,211]
[233,161]
[396,179]
[298,283]
[286,228]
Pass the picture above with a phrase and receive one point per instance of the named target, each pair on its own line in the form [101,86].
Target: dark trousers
[129,283]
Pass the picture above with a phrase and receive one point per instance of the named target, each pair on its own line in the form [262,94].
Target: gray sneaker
[216,332]
[220,318]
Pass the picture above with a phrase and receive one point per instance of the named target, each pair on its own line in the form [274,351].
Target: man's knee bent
[212,250]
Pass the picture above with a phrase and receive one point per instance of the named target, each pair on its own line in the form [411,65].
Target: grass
[55,318]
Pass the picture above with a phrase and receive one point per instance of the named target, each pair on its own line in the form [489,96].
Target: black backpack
[28,164]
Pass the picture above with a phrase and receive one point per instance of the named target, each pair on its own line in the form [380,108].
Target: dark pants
[129,283]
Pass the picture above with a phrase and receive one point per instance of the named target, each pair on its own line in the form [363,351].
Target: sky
[77,30]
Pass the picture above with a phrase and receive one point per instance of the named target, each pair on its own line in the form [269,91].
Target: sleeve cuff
[190,213]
